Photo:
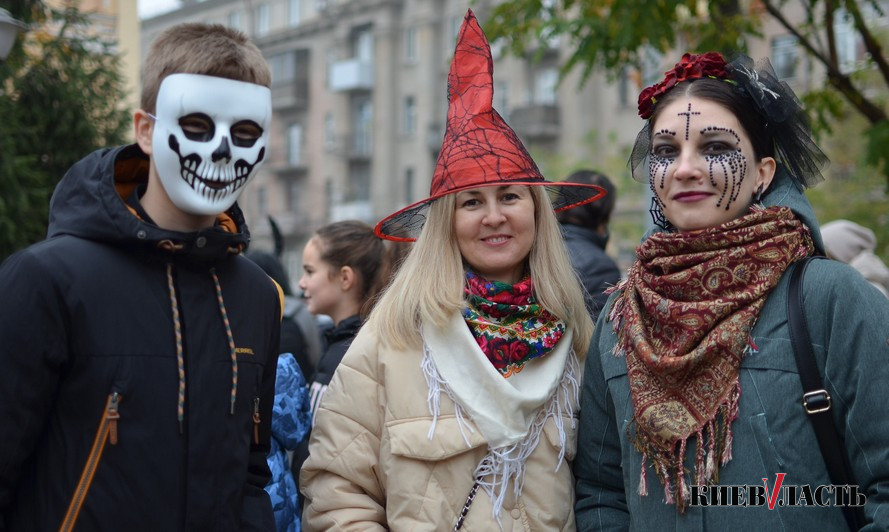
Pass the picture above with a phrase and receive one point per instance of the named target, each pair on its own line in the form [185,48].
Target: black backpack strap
[816,400]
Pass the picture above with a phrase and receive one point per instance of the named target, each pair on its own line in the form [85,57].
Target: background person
[585,230]
[854,244]
[345,265]
[457,396]
[690,378]
[139,356]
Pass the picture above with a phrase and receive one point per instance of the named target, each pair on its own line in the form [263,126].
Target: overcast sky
[150,8]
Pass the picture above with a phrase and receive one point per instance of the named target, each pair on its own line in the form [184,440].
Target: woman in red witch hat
[456,402]
[692,397]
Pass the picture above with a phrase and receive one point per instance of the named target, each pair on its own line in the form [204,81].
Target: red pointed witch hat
[479,148]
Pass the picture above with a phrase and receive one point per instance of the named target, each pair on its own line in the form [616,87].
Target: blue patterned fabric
[291,421]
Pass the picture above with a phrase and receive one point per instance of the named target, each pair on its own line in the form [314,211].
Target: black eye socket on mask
[245,133]
[198,127]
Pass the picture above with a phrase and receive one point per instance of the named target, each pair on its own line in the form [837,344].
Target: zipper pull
[256,420]
[112,415]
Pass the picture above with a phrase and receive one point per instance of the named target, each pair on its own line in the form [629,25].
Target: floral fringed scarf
[683,321]
[507,322]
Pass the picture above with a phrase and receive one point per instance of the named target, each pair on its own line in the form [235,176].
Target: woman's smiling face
[702,166]
[495,229]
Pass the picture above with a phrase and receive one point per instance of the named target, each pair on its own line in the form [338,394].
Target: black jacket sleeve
[33,351]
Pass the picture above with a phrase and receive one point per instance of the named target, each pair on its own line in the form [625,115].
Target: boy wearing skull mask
[138,346]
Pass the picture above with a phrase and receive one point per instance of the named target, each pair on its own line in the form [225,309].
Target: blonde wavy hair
[428,286]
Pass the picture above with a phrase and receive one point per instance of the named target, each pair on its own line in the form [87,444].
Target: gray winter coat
[849,325]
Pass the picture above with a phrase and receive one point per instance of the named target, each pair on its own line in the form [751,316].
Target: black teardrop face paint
[730,164]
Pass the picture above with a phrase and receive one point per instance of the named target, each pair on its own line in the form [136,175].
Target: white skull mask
[209,139]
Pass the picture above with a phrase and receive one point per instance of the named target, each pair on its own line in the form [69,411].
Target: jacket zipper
[107,431]
[256,420]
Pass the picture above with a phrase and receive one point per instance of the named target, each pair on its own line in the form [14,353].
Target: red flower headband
[691,66]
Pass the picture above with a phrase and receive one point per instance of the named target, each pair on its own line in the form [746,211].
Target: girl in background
[345,265]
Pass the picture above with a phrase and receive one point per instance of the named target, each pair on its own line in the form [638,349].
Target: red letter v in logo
[773,495]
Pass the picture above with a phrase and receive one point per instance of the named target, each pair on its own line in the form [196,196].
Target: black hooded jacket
[597,271]
[99,315]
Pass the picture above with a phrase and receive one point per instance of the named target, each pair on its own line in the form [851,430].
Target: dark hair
[725,94]
[594,214]
[272,267]
[353,243]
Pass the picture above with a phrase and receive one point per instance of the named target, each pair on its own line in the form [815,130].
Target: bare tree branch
[870,43]
[840,81]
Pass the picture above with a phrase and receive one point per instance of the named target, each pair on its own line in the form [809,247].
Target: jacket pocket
[410,438]
[107,432]
[569,425]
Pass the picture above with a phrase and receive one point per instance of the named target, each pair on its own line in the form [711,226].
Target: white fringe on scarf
[508,462]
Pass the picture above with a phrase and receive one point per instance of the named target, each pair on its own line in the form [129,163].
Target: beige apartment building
[359,96]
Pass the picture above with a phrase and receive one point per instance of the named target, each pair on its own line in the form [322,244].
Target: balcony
[536,121]
[353,210]
[351,75]
[360,146]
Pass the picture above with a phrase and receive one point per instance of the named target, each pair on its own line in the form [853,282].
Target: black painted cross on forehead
[687,115]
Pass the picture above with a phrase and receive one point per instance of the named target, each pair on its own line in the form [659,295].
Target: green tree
[611,35]
[61,97]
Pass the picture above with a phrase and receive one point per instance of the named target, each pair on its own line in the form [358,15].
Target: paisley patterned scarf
[683,320]
[507,322]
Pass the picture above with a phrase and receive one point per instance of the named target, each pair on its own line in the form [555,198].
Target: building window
[234,20]
[408,185]
[262,202]
[410,116]
[283,67]
[358,187]
[545,81]
[293,12]
[456,22]
[651,61]
[262,20]
[846,39]
[623,88]
[784,56]
[363,44]
[410,45]
[294,144]
[329,131]
[295,191]
[501,97]
[362,143]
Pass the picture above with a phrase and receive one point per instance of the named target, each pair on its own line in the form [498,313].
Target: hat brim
[405,224]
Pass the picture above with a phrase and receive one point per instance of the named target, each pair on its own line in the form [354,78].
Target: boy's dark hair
[594,214]
[207,49]
[353,243]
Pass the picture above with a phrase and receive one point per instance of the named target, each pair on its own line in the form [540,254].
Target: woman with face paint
[691,388]
[454,406]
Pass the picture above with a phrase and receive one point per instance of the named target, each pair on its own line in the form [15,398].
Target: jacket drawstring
[180,359]
[231,339]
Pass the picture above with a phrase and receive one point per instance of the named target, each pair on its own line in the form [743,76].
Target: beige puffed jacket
[373,465]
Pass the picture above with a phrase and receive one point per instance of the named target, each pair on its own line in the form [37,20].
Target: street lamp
[9,29]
